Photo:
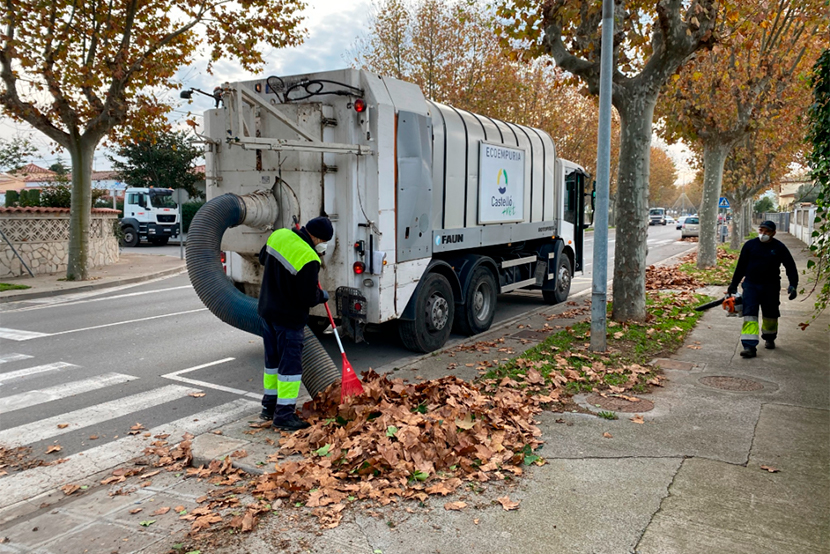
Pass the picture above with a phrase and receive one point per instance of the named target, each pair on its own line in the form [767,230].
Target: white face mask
[320,247]
[764,238]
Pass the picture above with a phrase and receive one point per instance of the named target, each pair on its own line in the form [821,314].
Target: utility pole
[599,287]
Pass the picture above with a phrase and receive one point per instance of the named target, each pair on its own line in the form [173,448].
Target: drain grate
[732,383]
[613,404]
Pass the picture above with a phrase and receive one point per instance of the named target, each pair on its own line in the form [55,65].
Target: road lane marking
[17,334]
[41,335]
[43,429]
[72,302]
[177,376]
[13,357]
[34,370]
[27,484]
[41,396]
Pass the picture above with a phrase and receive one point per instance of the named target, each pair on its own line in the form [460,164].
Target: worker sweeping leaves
[759,265]
[289,289]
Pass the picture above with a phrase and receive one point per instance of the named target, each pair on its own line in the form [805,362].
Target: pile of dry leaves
[669,277]
[400,441]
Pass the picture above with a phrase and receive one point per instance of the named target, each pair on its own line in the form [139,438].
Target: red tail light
[360,105]
[222,257]
[359,267]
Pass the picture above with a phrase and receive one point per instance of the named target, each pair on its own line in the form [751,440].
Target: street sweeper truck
[436,210]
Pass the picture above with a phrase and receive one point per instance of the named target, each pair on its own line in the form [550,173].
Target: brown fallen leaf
[69,489]
[608,435]
[161,511]
[136,510]
[476,521]
[771,469]
[93,437]
[179,509]
[637,419]
[508,504]
[466,423]
[114,479]
[196,394]
[54,448]
[63,425]
[455,506]
[239,454]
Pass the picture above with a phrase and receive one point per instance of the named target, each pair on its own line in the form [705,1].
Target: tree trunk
[714,156]
[631,214]
[81,152]
[738,226]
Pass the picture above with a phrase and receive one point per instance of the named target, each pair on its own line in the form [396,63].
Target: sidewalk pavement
[130,268]
[690,479]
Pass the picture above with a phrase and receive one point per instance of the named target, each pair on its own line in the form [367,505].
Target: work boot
[266,414]
[291,423]
[749,352]
[769,344]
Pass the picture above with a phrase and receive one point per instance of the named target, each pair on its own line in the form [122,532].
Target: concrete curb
[23,295]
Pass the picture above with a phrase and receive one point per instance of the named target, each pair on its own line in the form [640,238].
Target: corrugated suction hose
[221,297]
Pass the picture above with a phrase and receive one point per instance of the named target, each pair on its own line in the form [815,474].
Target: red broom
[350,384]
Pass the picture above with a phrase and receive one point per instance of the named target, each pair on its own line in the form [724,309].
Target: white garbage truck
[436,210]
[149,214]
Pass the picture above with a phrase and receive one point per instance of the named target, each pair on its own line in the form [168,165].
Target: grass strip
[8,286]
[721,274]
[564,362]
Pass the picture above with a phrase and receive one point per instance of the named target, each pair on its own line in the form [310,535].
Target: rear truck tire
[434,314]
[479,303]
[160,241]
[564,275]
[130,236]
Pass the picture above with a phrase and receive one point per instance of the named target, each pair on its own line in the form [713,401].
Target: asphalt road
[80,371]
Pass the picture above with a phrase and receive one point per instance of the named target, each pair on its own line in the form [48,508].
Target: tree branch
[10,98]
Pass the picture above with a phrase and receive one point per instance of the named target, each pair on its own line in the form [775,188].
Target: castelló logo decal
[502,189]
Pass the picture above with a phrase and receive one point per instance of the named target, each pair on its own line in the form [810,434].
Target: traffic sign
[180,196]
[723,202]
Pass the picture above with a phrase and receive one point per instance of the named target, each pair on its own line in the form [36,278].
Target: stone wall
[41,237]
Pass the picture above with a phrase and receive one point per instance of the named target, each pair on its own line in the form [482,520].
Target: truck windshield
[162,201]
[656,211]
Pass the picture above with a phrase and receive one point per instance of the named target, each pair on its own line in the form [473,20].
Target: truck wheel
[562,287]
[130,237]
[160,241]
[434,313]
[479,303]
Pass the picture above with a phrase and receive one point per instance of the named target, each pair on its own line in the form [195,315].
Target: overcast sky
[333,28]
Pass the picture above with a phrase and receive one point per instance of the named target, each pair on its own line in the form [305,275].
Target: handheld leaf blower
[732,303]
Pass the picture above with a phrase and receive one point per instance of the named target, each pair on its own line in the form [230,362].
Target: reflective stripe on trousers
[749,331]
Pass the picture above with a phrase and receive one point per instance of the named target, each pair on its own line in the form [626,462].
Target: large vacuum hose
[221,297]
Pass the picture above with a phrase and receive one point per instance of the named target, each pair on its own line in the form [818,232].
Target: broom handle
[336,334]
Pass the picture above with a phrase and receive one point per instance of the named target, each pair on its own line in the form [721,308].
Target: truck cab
[657,216]
[150,214]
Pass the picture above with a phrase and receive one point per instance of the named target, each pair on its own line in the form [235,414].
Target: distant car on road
[670,220]
[690,227]
[680,221]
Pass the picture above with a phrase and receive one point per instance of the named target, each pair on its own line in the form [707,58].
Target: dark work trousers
[765,297]
[283,368]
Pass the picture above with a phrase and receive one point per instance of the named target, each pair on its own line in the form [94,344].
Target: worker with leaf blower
[289,290]
[759,265]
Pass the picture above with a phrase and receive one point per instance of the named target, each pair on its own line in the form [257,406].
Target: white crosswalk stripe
[35,397]
[34,370]
[17,334]
[13,357]
[47,428]
[22,486]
